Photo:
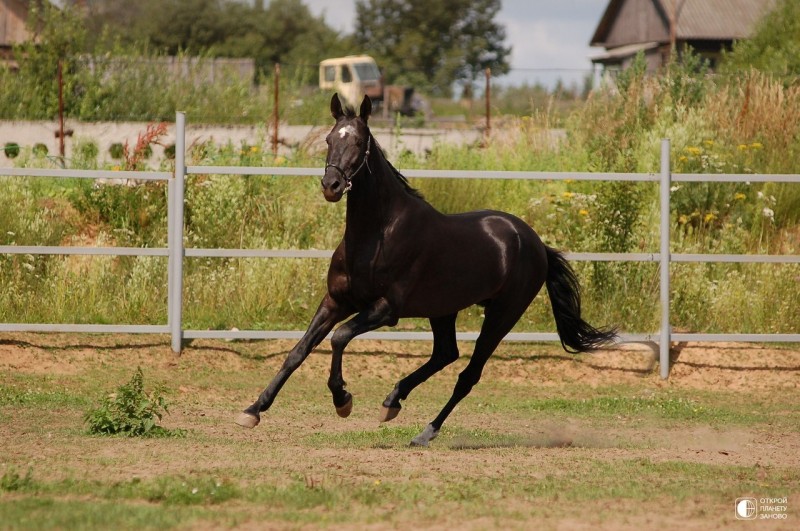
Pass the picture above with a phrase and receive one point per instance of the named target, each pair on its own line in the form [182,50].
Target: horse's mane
[400,177]
[350,112]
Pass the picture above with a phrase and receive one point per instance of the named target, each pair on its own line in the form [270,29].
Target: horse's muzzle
[334,186]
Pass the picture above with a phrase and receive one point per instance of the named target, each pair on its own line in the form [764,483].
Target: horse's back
[472,257]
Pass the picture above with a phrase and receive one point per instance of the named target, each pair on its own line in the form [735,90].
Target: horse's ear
[336,107]
[366,108]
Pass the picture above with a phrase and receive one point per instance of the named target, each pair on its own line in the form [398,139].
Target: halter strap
[349,178]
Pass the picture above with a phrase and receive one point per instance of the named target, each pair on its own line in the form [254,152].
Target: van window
[367,71]
[347,76]
[330,74]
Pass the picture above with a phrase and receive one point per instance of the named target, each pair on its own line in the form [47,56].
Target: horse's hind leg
[445,352]
[501,316]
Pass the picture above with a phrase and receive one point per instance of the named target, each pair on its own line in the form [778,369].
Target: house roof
[697,19]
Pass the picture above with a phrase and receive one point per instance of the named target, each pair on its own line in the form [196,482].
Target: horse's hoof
[246,420]
[388,413]
[424,438]
[345,410]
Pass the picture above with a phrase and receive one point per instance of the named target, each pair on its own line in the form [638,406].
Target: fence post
[61,149]
[487,93]
[275,104]
[176,232]
[666,182]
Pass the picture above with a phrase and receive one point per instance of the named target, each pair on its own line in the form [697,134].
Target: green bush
[11,150]
[116,150]
[131,411]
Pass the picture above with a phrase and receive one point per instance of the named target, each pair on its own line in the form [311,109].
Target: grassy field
[547,440]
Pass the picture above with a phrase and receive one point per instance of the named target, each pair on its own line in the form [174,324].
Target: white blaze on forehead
[347,129]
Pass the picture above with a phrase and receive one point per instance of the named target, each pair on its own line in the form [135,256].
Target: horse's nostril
[335,186]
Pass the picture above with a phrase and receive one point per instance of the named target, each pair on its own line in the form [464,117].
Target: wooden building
[655,26]
[13,29]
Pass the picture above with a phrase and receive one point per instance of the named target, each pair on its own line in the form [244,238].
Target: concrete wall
[104,134]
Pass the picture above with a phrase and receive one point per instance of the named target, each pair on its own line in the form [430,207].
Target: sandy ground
[764,372]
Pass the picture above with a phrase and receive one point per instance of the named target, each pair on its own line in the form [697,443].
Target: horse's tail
[565,297]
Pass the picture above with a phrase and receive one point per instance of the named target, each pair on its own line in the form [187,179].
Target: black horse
[400,257]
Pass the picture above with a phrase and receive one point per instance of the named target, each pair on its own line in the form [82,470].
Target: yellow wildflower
[568,195]
[756,145]
[708,142]
[709,217]
[739,196]
[742,147]
[116,168]
[253,149]
[683,219]
[693,150]
[683,158]
[583,212]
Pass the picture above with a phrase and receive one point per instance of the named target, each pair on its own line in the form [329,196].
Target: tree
[58,37]
[284,31]
[432,44]
[774,46]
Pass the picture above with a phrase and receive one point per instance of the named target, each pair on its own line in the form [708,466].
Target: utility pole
[276,101]
[673,25]
[488,94]
[61,149]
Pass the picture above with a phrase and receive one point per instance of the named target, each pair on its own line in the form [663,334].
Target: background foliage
[775,45]
[744,123]
[431,45]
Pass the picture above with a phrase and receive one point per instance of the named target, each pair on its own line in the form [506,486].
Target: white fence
[176,252]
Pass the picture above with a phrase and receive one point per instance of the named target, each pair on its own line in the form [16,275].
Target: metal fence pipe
[96,251]
[664,192]
[83,328]
[744,338]
[257,253]
[175,298]
[737,258]
[530,175]
[87,174]
[735,178]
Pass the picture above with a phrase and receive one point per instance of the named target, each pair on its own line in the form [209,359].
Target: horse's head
[348,148]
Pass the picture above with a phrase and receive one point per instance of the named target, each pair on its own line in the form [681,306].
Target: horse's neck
[376,198]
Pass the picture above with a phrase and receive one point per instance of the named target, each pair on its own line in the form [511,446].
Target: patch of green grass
[26,396]
[611,406]
[186,501]
[631,402]
[12,481]
[400,436]
[382,437]
[53,513]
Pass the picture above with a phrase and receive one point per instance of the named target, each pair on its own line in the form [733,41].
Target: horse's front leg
[379,314]
[328,314]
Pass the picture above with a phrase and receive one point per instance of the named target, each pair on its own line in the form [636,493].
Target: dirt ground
[767,373]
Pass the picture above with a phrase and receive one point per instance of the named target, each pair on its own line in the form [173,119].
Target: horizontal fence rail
[176,252]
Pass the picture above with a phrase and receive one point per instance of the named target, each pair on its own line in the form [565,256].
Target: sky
[549,39]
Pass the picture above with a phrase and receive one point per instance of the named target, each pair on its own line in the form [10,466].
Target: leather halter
[348,179]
